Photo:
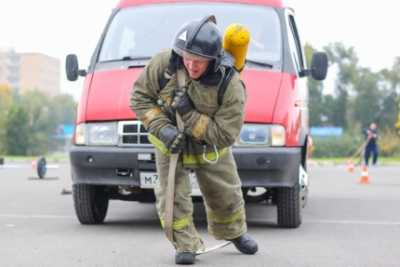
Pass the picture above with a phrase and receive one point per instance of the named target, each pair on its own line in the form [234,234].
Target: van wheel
[91,203]
[289,206]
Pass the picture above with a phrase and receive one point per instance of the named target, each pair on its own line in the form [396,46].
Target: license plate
[150,179]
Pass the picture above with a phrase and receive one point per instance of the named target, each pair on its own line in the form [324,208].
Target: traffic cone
[364,179]
[33,164]
[350,166]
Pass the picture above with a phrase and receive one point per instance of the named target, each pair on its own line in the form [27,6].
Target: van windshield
[141,32]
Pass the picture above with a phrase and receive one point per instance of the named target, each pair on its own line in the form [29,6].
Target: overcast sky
[57,28]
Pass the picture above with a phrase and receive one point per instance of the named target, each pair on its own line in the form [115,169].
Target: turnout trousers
[221,189]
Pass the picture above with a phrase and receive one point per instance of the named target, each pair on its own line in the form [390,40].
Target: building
[10,68]
[30,71]
[41,72]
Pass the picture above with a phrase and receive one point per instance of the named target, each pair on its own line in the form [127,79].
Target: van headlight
[80,134]
[97,134]
[278,135]
[261,134]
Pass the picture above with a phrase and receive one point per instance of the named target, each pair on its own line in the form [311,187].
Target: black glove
[173,139]
[167,110]
[182,102]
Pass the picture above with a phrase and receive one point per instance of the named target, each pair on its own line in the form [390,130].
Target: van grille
[132,133]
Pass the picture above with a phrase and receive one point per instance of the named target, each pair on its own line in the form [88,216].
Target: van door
[297,57]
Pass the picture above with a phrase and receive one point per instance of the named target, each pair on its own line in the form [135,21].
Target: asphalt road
[344,224]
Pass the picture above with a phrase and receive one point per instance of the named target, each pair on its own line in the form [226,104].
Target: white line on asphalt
[355,222]
[26,166]
[344,222]
[15,166]
[36,216]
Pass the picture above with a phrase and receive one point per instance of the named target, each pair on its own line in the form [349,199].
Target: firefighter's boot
[185,258]
[245,244]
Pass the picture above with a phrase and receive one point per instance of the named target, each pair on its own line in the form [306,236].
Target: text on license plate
[150,179]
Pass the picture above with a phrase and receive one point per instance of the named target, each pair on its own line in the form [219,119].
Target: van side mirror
[319,66]
[72,68]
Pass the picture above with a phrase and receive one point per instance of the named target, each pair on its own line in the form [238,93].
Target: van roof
[127,3]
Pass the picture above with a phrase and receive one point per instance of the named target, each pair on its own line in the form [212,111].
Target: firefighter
[371,146]
[211,126]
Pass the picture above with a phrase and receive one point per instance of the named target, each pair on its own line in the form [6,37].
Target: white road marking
[344,222]
[354,222]
[15,166]
[24,166]
[36,216]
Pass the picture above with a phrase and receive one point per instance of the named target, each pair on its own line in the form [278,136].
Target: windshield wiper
[127,58]
[260,63]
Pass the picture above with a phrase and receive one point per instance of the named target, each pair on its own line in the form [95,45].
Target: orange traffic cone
[364,179]
[350,165]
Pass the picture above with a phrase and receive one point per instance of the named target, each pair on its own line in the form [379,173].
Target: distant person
[371,146]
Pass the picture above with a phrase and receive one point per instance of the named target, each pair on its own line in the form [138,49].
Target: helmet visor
[191,56]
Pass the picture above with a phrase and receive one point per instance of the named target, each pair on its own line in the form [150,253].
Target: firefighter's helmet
[201,38]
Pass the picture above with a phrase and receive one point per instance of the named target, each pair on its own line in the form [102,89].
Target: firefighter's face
[195,65]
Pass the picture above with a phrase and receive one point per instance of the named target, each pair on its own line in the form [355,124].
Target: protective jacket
[211,127]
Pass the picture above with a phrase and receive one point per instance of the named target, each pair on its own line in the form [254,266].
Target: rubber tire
[289,207]
[90,202]
[41,168]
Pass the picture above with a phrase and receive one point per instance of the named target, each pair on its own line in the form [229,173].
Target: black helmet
[201,38]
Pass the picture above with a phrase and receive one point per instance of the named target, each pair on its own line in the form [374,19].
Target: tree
[17,131]
[391,102]
[42,122]
[347,63]
[63,107]
[5,104]
[5,97]
[393,75]
[397,125]
[366,107]
[316,106]
[30,127]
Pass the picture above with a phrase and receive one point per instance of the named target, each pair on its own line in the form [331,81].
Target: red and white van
[111,157]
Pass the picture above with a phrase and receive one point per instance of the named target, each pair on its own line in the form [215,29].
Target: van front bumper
[269,166]
[257,167]
[110,165]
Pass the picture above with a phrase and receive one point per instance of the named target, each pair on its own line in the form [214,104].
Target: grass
[55,157]
[63,157]
[341,160]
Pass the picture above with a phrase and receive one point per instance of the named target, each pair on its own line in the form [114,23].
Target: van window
[295,46]
[145,30]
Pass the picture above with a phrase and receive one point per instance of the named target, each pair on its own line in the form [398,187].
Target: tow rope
[170,194]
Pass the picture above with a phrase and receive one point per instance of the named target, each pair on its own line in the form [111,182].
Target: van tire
[289,206]
[91,203]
